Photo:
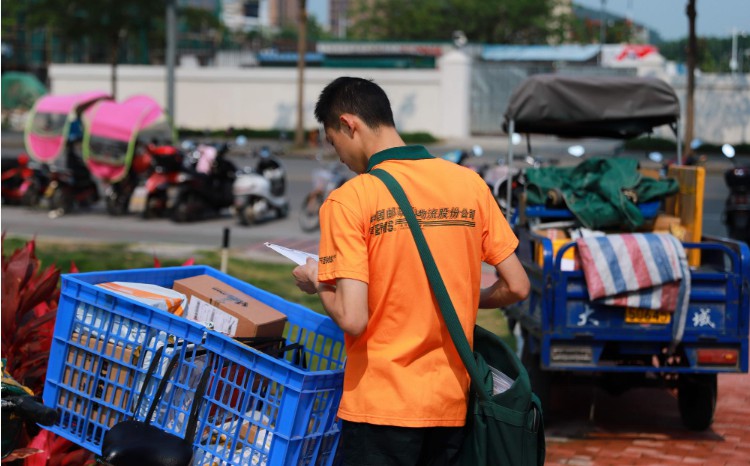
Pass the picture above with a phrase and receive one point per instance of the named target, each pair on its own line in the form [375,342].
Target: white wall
[258,98]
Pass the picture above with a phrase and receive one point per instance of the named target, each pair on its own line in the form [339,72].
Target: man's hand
[306,276]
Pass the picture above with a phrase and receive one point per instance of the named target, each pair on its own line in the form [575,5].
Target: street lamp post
[733,60]
[735,63]
[692,53]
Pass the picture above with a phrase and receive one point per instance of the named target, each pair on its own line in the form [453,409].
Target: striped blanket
[644,270]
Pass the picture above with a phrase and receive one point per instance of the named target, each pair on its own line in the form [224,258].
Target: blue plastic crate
[257,409]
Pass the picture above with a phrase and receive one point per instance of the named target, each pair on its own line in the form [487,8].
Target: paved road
[94,224]
[642,427]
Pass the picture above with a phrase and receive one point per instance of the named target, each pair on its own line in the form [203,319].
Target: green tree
[483,21]
[315,32]
[714,53]
[104,22]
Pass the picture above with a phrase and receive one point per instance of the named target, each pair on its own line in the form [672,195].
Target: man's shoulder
[351,189]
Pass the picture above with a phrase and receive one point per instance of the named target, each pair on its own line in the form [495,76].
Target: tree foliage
[714,53]
[483,21]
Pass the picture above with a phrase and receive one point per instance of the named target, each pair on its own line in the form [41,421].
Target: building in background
[283,13]
[245,15]
[338,14]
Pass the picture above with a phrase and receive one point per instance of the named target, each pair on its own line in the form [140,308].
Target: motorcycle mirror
[655,157]
[187,144]
[515,139]
[241,140]
[477,150]
[576,151]
[728,150]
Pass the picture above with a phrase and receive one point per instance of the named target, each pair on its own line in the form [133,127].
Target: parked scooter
[162,184]
[260,190]
[324,180]
[115,146]
[70,186]
[117,196]
[736,215]
[465,157]
[206,183]
[24,181]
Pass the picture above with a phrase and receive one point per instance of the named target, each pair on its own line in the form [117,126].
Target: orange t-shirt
[403,370]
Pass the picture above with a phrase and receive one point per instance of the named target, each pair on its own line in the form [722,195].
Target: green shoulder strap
[436,282]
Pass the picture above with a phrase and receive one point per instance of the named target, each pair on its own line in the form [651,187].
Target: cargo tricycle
[568,336]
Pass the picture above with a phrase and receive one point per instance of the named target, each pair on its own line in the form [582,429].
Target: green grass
[274,278]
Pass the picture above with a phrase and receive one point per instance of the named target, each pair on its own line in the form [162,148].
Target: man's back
[406,371]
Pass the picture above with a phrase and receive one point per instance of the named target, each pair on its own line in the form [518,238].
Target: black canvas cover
[575,106]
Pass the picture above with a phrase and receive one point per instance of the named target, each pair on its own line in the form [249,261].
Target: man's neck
[384,138]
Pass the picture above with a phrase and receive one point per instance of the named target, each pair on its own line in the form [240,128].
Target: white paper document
[297,256]
[500,381]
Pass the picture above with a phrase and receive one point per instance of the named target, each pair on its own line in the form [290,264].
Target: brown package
[228,309]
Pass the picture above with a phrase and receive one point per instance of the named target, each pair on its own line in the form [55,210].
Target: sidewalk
[642,427]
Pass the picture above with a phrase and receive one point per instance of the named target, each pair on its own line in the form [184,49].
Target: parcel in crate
[258,408]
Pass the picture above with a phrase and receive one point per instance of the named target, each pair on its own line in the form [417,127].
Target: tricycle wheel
[541,380]
[696,397]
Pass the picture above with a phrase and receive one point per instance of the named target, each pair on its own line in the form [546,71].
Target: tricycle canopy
[116,131]
[51,120]
[590,106]
[574,106]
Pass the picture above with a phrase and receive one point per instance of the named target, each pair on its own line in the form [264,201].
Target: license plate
[634,315]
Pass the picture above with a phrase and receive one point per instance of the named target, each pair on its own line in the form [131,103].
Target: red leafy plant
[29,305]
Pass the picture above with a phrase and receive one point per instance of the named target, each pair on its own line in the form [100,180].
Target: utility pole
[692,52]
[171,55]
[733,60]
[299,134]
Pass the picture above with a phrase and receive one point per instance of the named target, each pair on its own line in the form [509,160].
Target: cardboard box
[664,223]
[228,309]
[559,238]
[95,373]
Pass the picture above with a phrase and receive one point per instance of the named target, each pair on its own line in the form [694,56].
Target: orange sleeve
[343,248]
[498,239]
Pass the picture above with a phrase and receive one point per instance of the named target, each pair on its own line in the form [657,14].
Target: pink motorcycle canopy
[114,132]
[49,122]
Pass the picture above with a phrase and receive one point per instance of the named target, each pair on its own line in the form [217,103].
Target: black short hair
[357,96]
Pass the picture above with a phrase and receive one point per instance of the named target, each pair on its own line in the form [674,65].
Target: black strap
[436,282]
[200,390]
[163,384]
[149,373]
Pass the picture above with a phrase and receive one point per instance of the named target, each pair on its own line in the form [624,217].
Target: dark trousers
[375,445]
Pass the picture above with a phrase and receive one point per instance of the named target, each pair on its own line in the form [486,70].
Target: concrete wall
[436,101]
[258,98]
[722,107]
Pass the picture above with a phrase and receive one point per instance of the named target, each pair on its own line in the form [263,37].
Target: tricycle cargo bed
[579,334]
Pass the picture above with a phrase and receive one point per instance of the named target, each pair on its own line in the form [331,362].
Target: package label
[211,316]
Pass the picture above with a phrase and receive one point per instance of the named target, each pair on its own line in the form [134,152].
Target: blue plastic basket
[257,409]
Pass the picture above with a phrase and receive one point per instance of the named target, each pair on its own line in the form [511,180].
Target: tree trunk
[299,134]
[692,52]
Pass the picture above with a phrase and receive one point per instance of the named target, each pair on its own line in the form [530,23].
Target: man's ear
[348,124]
